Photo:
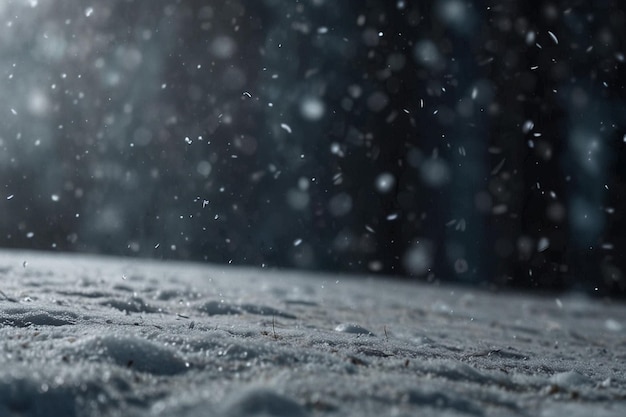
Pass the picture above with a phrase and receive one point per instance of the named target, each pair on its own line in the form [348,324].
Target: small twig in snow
[273,327]
[6,297]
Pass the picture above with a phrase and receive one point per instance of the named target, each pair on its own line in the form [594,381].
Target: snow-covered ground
[117,337]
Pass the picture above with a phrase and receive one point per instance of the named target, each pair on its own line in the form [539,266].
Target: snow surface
[96,336]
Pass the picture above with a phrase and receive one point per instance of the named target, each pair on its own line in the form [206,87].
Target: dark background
[448,140]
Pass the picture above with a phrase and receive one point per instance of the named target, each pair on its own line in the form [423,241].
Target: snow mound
[262,402]
[131,305]
[28,398]
[130,352]
[25,317]
[569,379]
[214,308]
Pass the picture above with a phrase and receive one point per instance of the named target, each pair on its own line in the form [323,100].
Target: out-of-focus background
[448,140]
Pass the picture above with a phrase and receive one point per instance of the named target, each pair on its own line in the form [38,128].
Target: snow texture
[116,337]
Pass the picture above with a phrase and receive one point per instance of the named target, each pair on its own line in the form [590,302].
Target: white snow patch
[195,340]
